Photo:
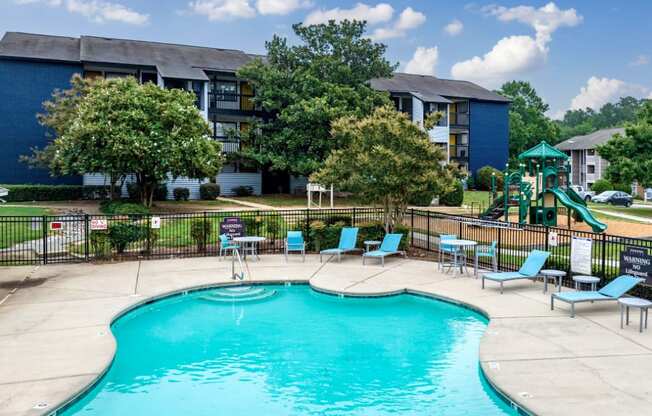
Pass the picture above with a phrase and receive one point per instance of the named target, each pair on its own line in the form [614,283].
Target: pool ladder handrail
[234,275]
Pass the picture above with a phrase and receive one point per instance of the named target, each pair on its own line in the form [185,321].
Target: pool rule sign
[636,261]
[233,227]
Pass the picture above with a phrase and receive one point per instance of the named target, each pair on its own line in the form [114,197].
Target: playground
[537,191]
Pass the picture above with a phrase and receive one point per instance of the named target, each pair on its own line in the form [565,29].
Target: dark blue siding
[23,88]
[489,135]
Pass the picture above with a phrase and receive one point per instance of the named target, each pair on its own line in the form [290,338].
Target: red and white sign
[99,224]
[56,226]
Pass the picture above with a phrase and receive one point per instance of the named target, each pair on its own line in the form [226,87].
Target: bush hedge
[455,197]
[160,193]
[601,185]
[322,235]
[123,208]
[483,178]
[209,191]
[423,199]
[243,190]
[181,194]
[19,193]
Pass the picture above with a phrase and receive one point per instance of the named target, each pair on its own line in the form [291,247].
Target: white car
[583,193]
[3,192]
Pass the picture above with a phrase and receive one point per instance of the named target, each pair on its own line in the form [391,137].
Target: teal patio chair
[529,270]
[348,239]
[489,251]
[227,245]
[445,249]
[294,242]
[614,290]
[388,247]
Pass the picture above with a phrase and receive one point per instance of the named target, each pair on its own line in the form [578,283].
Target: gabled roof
[178,61]
[427,85]
[543,151]
[589,141]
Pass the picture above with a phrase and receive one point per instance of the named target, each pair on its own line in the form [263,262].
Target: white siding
[439,134]
[298,182]
[228,181]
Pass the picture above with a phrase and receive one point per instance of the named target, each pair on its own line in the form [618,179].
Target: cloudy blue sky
[578,54]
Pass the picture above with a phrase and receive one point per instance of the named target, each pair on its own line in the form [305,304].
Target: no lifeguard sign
[233,227]
[637,262]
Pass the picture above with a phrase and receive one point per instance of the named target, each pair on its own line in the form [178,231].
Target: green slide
[581,210]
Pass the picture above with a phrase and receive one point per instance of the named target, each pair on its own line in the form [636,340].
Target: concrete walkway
[55,337]
[247,204]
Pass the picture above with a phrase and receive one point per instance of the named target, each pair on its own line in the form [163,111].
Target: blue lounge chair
[614,290]
[348,239]
[294,242]
[226,244]
[529,270]
[387,248]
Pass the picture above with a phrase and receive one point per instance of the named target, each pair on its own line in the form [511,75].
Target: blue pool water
[296,352]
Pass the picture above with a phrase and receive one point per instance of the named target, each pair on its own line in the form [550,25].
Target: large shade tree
[120,128]
[528,123]
[630,155]
[306,87]
[386,160]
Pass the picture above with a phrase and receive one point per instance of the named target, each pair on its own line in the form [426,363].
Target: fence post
[412,227]
[547,235]
[86,237]
[149,237]
[308,225]
[499,248]
[204,236]
[460,227]
[45,239]
[353,218]
[428,232]
[604,256]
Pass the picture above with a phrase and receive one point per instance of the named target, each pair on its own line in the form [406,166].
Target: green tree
[528,123]
[388,161]
[309,85]
[119,127]
[630,155]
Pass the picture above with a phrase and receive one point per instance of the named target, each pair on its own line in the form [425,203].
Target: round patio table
[589,280]
[556,275]
[250,245]
[371,243]
[642,304]
[459,257]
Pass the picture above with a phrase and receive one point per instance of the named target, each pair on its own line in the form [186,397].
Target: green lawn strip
[638,212]
[285,200]
[17,230]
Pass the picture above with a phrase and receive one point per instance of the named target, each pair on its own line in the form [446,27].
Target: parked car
[583,193]
[614,198]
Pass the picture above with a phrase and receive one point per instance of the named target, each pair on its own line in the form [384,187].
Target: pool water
[296,352]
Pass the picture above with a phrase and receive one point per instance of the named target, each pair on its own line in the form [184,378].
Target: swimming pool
[289,350]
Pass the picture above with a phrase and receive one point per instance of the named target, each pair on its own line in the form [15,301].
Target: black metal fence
[80,238]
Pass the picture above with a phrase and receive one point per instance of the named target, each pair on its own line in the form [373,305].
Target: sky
[577,54]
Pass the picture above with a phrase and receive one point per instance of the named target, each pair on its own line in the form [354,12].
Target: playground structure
[537,187]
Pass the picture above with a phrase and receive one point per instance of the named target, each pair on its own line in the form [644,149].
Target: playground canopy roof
[543,151]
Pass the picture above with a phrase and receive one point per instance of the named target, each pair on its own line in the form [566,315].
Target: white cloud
[222,9]
[515,55]
[640,60]
[380,13]
[96,10]
[409,19]
[599,91]
[280,7]
[454,28]
[423,62]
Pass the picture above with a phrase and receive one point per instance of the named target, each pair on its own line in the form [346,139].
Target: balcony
[229,144]
[459,153]
[221,102]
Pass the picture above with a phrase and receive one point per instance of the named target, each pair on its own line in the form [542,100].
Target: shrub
[181,194]
[243,190]
[18,193]
[133,191]
[375,230]
[273,225]
[253,224]
[100,244]
[161,192]
[209,191]
[123,233]
[455,197]
[123,208]
[601,185]
[200,232]
[623,188]
[483,178]
[423,199]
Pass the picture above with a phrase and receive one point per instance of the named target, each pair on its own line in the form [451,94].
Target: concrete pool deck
[55,338]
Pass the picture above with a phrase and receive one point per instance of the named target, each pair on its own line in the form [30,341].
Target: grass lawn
[12,233]
[639,212]
[293,201]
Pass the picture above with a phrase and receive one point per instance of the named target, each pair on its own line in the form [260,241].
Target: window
[114,75]
[198,89]
[590,169]
[175,83]
[148,77]
[224,129]
[434,107]
[224,90]
[93,74]
[590,152]
[397,103]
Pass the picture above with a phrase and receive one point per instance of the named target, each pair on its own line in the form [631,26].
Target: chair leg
[382,261]
[483,281]
[572,309]
[501,288]
[552,303]
[320,260]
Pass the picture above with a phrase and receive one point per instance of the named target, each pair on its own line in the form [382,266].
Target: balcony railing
[219,101]
[459,119]
[229,144]
[459,152]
